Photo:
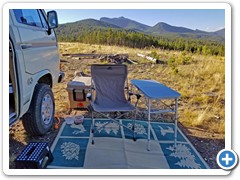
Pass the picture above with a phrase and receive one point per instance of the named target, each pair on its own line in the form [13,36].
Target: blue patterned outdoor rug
[114,147]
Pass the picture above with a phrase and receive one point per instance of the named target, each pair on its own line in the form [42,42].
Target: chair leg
[133,127]
[92,129]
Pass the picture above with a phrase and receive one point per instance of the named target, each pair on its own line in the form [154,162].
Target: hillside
[164,28]
[89,23]
[219,33]
[76,28]
[126,23]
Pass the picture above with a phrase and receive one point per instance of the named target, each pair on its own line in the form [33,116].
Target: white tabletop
[155,90]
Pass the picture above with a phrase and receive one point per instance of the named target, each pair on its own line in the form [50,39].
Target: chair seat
[121,107]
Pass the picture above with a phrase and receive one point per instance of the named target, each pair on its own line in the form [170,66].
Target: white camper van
[33,68]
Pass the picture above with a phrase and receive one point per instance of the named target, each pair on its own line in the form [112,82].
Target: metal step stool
[37,155]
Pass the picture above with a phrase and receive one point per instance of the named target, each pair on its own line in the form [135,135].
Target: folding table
[154,90]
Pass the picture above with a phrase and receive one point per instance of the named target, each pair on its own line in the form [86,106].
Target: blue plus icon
[227,159]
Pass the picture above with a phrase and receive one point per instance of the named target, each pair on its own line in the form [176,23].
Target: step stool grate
[36,155]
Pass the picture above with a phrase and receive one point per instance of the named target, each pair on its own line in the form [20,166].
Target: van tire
[34,121]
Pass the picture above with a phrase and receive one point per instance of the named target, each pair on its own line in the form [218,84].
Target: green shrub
[154,54]
[185,59]
[172,61]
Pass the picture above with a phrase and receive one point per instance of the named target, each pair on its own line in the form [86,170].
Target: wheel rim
[47,109]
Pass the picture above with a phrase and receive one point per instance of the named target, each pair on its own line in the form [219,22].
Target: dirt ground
[208,144]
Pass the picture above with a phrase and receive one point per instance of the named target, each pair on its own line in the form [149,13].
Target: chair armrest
[138,96]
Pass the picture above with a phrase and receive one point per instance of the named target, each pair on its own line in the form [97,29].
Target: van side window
[28,16]
[44,22]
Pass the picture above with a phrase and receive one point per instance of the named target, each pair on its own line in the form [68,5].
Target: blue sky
[202,19]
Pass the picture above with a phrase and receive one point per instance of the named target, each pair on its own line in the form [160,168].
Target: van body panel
[35,55]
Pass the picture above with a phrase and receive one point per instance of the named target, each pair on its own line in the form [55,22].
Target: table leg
[149,118]
[176,122]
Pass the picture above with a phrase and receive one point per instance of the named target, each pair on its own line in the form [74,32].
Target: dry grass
[201,81]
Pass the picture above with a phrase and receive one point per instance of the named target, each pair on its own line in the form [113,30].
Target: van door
[39,47]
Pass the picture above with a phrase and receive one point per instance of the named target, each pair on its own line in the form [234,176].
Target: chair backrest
[109,83]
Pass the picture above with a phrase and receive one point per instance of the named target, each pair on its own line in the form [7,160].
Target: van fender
[43,76]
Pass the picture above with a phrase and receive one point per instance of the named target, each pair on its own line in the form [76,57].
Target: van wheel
[40,116]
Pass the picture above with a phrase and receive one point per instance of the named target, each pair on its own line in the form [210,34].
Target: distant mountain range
[161,28]
[126,23]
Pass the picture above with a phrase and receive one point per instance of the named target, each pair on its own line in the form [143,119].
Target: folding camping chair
[109,94]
